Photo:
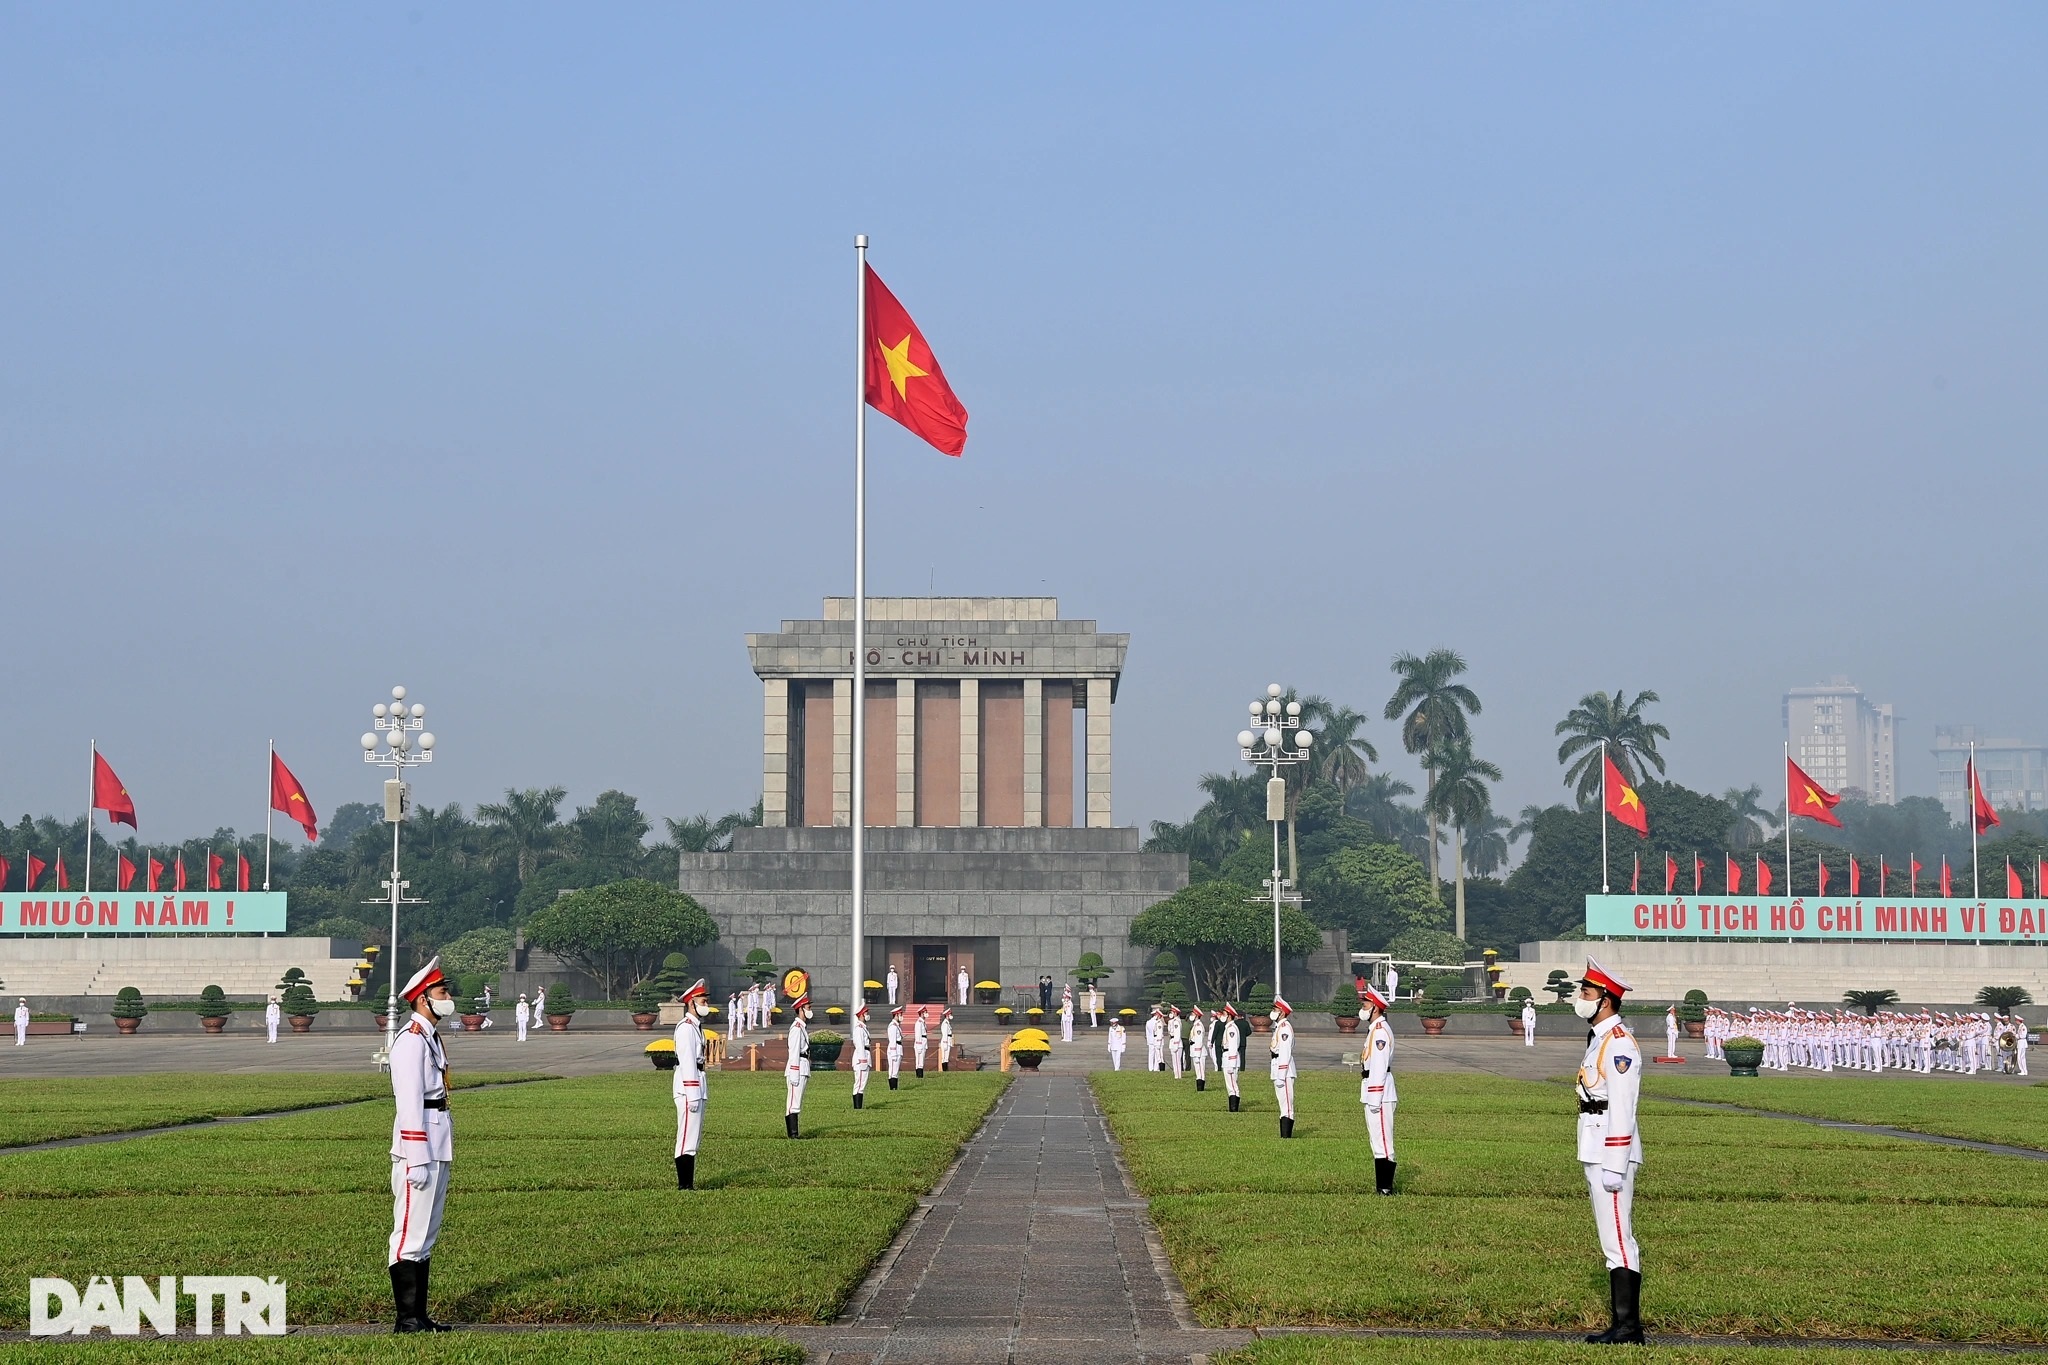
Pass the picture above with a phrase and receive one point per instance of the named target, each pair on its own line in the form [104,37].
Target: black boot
[686,1173]
[1618,1312]
[789,1125]
[1382,1175]
[857,1098]
[920,1073]
[405,1297]
[1233,1104]
[1287,1128]
[1200,1085]
[892,1082]
[1628,1308]
[423,1273]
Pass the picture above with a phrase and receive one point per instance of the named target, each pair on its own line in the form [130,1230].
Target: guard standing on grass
[688,1083]
[422,1146]
[1175,1039]
[1155,1039]
[863,1054]
[920,1043]
[1233,1053]
[1376,1085]
[796,1072]
[1198,1047]
[1610,1149]
[895,1049]
[945,1039]
[1281,1068]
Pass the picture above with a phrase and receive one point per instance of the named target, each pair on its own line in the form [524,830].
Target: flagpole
[89,792]
[1603,818]
[272,801]
[858,781]
[1788,817]
[1970,800]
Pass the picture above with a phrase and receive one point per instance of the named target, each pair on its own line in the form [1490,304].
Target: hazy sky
[505,351]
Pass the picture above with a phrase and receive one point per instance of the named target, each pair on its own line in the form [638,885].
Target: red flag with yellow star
[904,380]
[1623,803]
[1804,796]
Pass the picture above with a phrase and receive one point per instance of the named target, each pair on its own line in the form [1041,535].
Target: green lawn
[1323,1350]
[563,1206]
[538,1348]
[40,1110]
[1748,1225]
[2015,1115]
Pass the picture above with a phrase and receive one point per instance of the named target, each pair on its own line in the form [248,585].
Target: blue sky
[503,351]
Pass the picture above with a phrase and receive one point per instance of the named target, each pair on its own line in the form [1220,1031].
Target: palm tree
[1630,740]
[1525,823]
[1436,707]
[1237,805]
[1340,754]
[1752,821]
[1373,801]
[1459,794]
[1486,844]
[524,824]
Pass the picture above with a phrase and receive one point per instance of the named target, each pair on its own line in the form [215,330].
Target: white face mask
[702,1008]
[442,1008]
[1585,1008]
[1274,1017]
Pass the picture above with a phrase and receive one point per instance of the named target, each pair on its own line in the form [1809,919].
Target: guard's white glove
[1611,1181]
[416,1176]
[696,1106]
[1372,1106]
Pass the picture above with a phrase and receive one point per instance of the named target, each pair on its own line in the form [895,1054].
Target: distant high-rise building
[2013,773]
[1844,741]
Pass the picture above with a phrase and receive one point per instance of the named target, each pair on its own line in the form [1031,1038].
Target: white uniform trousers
[21,1035]
[1116,1059]
[918,1049]
[1283,1090]
[522,1030]
[1174,1048]
[271,1025]
[895,1060]
[863,1064]
[416,1214]
[794,1084]
[1614,1215]
[1379,1127]
[1198,1055]
[689,1120]
[1230,1071]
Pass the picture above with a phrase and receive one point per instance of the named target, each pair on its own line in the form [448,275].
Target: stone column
[970,751]
[1034,752]
[775,751]
[1098,753]
[842,751]
[906,751]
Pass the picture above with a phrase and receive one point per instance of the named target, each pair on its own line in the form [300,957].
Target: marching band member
[688,1083]
[1609,1147]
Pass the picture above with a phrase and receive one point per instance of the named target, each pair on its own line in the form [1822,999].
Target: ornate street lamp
[1267,744]
[407,743]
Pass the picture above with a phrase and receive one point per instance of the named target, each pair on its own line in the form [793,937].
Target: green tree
[1374,892]
[620,931]
[1630,741]
[480,952]
[1222,935]
[1377,802]
[608,832]
[1436,706]
[1486,844]
[1459,794]
[1753,824]
[525,826]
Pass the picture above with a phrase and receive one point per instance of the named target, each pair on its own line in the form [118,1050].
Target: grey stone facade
[1040,897]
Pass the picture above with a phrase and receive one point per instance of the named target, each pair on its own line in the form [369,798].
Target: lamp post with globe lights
[1276,740]
[406,743]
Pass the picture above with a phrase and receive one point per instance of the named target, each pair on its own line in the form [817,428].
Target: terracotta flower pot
[1347,1023]
[382,1017]
[1515,1024]
[472,1021]
[559,1023]
[1434,1026]
[645,1022]
[127,1025]
[1696,1030]
[218,1025]
[301,1023]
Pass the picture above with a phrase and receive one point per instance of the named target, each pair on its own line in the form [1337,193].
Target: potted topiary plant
[299,1008]
[1029,1047]
[646,1001]
[1692,1012]
[1344,1004]
[825,1048]
[1435,996]
[1261,1003]
[1744,1054]
[1516,999]
[129,1009]
[561,1007]
[213,1009]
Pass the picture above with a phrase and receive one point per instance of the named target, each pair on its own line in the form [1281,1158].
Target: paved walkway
[1032,1249]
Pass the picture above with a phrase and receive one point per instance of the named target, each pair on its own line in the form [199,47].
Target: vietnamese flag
[1980,809]
[35,872]
[1734,876]
[214,863]
[1823,867]
[1804,796]
[126,869]
[1622,802]
[2040,875]
[287,795]
[6,870]
[156,874]
[904,380]
[178,872]
[1913,886]
[1855,877]
[1670,873]
[1763,876]
[63,877]
[2014,887]
[242,872]
[109,795]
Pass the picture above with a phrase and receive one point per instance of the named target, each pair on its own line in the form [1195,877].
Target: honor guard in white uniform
[1528,1023]
[1671,1030]
[522,1015]
[1155,1039]
[1198,1046]
[540,1005]
[422,1146]
[895,1047]
[920,1043]
[1116,1045]
[1176,1039]
[1281,1067]
[1610,1148]
[273,1014]
[1233,1052]
[688,1083]
[796,1072]
[21,1023]
[863,1054]
[1066,1014]
[960,980]
[945,1038]
[1376,1085]
[892,980]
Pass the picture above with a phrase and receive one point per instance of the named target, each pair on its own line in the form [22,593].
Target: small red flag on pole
[1734,876]
[1670,873]
[1699,873]
[178,871]
[35,872]
[1913,886]
[1822,877]
[1855,877]
[214,863]
[2014,887]
[1763,876]
[242,872]
[126,870]
[156,873]
[1945,889]
[63,877]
